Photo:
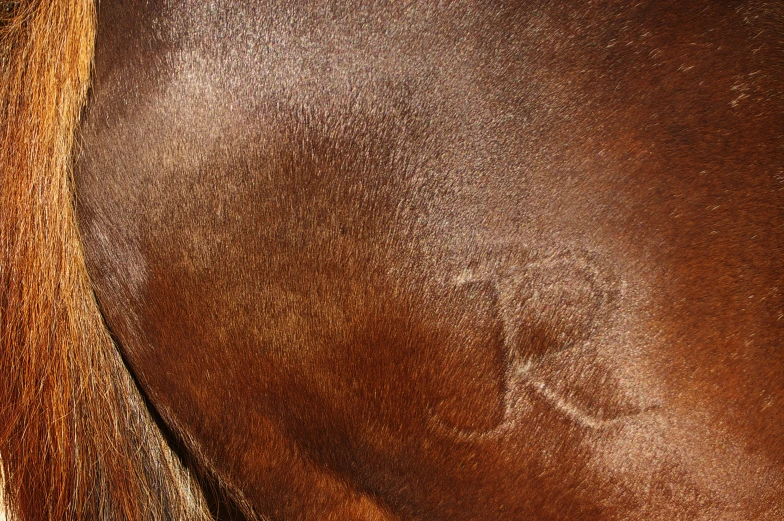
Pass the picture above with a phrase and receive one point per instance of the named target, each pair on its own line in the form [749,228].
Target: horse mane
[76,439]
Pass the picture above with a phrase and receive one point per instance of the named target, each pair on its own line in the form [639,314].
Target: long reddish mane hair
[76,439]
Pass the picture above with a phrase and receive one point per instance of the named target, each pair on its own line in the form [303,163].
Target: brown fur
[76,439]
[450,261]
[471,261]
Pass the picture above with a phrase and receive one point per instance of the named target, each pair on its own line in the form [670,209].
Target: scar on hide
[542,305]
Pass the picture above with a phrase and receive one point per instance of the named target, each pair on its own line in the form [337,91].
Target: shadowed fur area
[76,439]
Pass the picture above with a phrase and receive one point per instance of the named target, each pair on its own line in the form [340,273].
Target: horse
[392,261]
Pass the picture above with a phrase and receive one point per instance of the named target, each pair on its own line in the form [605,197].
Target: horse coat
[425,261]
